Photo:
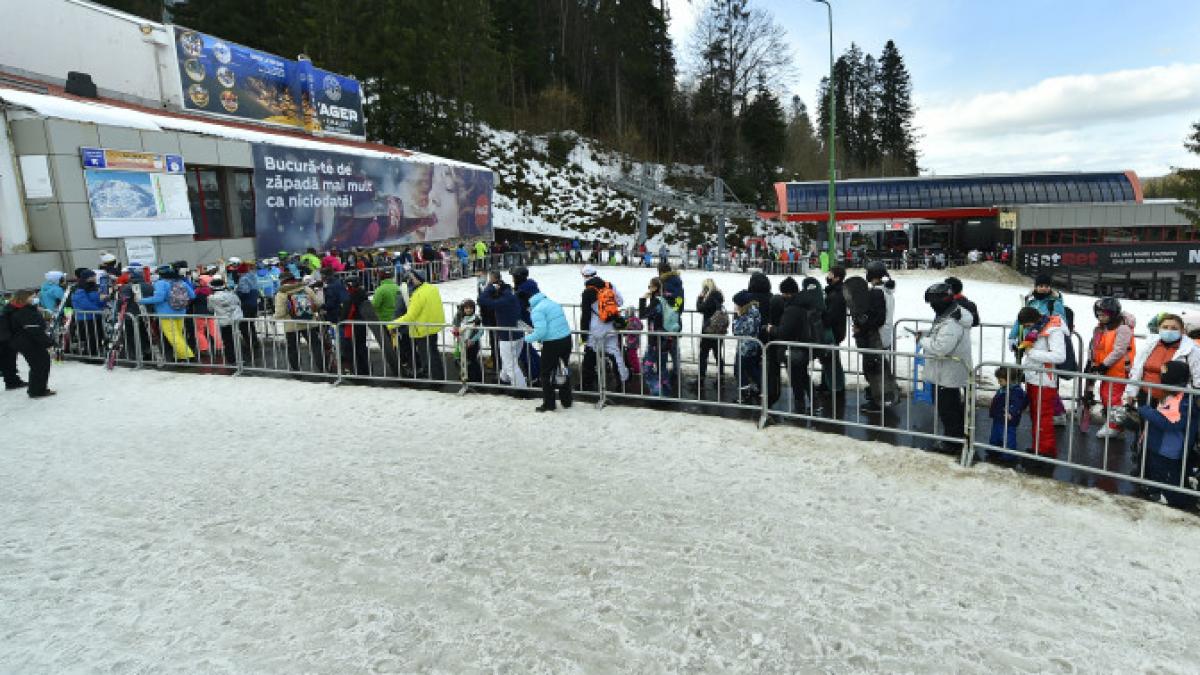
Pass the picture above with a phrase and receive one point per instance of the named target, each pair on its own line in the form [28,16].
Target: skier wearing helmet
[948,344]
[1111,353]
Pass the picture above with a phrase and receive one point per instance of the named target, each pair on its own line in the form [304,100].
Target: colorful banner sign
[311,198]
[136,194]
[223,78]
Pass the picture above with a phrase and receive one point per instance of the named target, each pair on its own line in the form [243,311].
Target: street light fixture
[832,146]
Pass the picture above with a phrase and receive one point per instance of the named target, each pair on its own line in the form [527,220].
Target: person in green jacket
[384,302]
[384,299]
[425,307]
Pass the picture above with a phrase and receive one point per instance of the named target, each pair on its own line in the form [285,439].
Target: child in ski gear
[1042,344]
[1111,353]
[467,333]
[632,340]
[749,359]
[1171,427]
[714,321]
[1006,409]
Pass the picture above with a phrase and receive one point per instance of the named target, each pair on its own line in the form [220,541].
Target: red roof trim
[932,214]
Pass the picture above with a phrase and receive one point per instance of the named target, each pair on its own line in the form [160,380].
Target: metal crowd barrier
[904,385]
[666,374]
[785,376]
[1115,459]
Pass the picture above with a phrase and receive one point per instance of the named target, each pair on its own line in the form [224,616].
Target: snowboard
[856,293]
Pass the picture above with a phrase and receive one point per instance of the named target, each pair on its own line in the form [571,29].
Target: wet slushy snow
[192,523]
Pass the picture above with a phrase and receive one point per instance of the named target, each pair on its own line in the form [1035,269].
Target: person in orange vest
[1112,352]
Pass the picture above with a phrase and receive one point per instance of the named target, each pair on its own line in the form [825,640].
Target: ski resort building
[158,143]
[1093,232]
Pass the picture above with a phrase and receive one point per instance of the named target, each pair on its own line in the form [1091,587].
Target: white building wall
[14,230]
[128,57]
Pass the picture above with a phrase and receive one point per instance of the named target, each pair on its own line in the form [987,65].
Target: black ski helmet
[519,273]
[1108,305]
[938,291]
[876,270]
[939,296]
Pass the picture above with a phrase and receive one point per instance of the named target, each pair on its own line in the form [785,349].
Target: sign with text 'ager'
[227,79]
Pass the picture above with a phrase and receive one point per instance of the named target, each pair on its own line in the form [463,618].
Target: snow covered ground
[193,523]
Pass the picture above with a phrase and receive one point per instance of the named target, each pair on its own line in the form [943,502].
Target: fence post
[765,393]
[601,374]
[968,451]
[238,361]
[337,353]
[137,339]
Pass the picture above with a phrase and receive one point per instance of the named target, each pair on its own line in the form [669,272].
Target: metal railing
[775,380]
[1109,457]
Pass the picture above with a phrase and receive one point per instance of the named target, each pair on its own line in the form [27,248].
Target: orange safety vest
[1103,346]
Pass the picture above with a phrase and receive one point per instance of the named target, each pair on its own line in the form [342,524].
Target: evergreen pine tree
[896,137]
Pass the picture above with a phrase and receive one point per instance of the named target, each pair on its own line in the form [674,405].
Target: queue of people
[801,328]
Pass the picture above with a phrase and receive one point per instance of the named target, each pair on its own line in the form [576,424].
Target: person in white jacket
[948,344]
[1042,345]
[1169,345]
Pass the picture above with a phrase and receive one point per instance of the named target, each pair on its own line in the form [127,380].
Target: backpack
[670,317]
[606,303]
[177,297]
[299,306]
[718,323]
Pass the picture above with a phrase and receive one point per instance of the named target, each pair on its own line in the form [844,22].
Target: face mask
[1169,336]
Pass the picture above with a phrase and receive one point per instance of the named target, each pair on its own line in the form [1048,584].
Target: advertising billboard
[136,194]
[327,200]
[1128,257]
[224,78]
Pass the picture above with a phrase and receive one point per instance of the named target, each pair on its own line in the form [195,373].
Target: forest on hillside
[434,71]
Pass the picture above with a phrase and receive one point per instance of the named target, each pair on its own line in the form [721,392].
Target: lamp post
[832,146]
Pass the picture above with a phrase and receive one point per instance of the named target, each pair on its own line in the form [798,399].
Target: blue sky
[1018,85]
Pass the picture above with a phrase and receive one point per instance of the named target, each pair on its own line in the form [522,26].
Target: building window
[243,185]
[208,203]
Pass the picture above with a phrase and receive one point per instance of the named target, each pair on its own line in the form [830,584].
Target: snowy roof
[120,114]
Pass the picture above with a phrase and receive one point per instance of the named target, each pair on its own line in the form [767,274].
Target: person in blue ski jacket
[499,298]
[525,288]
[1045,300]
[172,326]
[1171,429]
[268,283]
[550,327]
[463,258]
[89,306]
[1006,409]
[53,290]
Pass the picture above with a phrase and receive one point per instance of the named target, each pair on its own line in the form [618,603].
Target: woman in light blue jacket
[550,327]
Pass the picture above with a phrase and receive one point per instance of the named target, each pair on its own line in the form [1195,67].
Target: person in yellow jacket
[481,252]
[424,307]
